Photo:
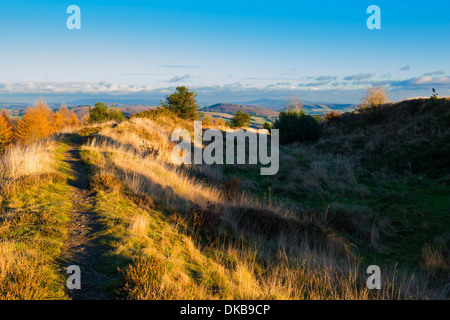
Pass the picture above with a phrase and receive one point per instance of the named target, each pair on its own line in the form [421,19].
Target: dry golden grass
[139,225]
[24,274]
[307,261]
[265,249]
[31,159]
[28,249]
[434,261]
[33,204]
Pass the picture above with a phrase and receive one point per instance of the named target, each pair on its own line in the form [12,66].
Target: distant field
[219,115]
[256,121]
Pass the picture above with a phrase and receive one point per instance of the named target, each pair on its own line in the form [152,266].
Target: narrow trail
[82,248]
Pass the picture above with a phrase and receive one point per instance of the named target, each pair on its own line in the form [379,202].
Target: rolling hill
[109,198]
[233,108]
[310,107]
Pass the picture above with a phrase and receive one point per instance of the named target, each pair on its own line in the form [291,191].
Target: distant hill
[115,101]
[273,104]
[309,107]
[261,109]
[233,108]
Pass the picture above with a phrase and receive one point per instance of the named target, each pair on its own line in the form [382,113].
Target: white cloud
[434,73]
[278,84]
[180,78]
[421,81]
[178,66]
[314,84]
[326,91]
[326,78]
[71,88]
[359,76]
[405,68]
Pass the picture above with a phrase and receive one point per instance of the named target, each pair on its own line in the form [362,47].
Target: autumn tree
[374,97]
[58,120]
[70,118]
[207,120]
[12,122]
[183,103]
[63,118]
[218,122]
[73,120]
[6,133]
[85,120]
[36,123]
[294,103]
[6,116]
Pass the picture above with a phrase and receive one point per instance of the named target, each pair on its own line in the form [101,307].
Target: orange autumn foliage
[40,122]
[6,133]
[35,124]
[64,118]
[333,115]
[73,120]
[85,120]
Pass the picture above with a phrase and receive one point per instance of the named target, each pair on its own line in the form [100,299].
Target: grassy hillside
[107,197]
[379,178]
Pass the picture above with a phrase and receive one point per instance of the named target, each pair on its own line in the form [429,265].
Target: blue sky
[226,51]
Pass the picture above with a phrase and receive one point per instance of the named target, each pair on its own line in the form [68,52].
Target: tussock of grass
[16,186]
[17,161]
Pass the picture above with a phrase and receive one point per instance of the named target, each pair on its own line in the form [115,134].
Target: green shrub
[240,119]
[297,126]
[102,113]
[154,114]
[183,103]
[268,126]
